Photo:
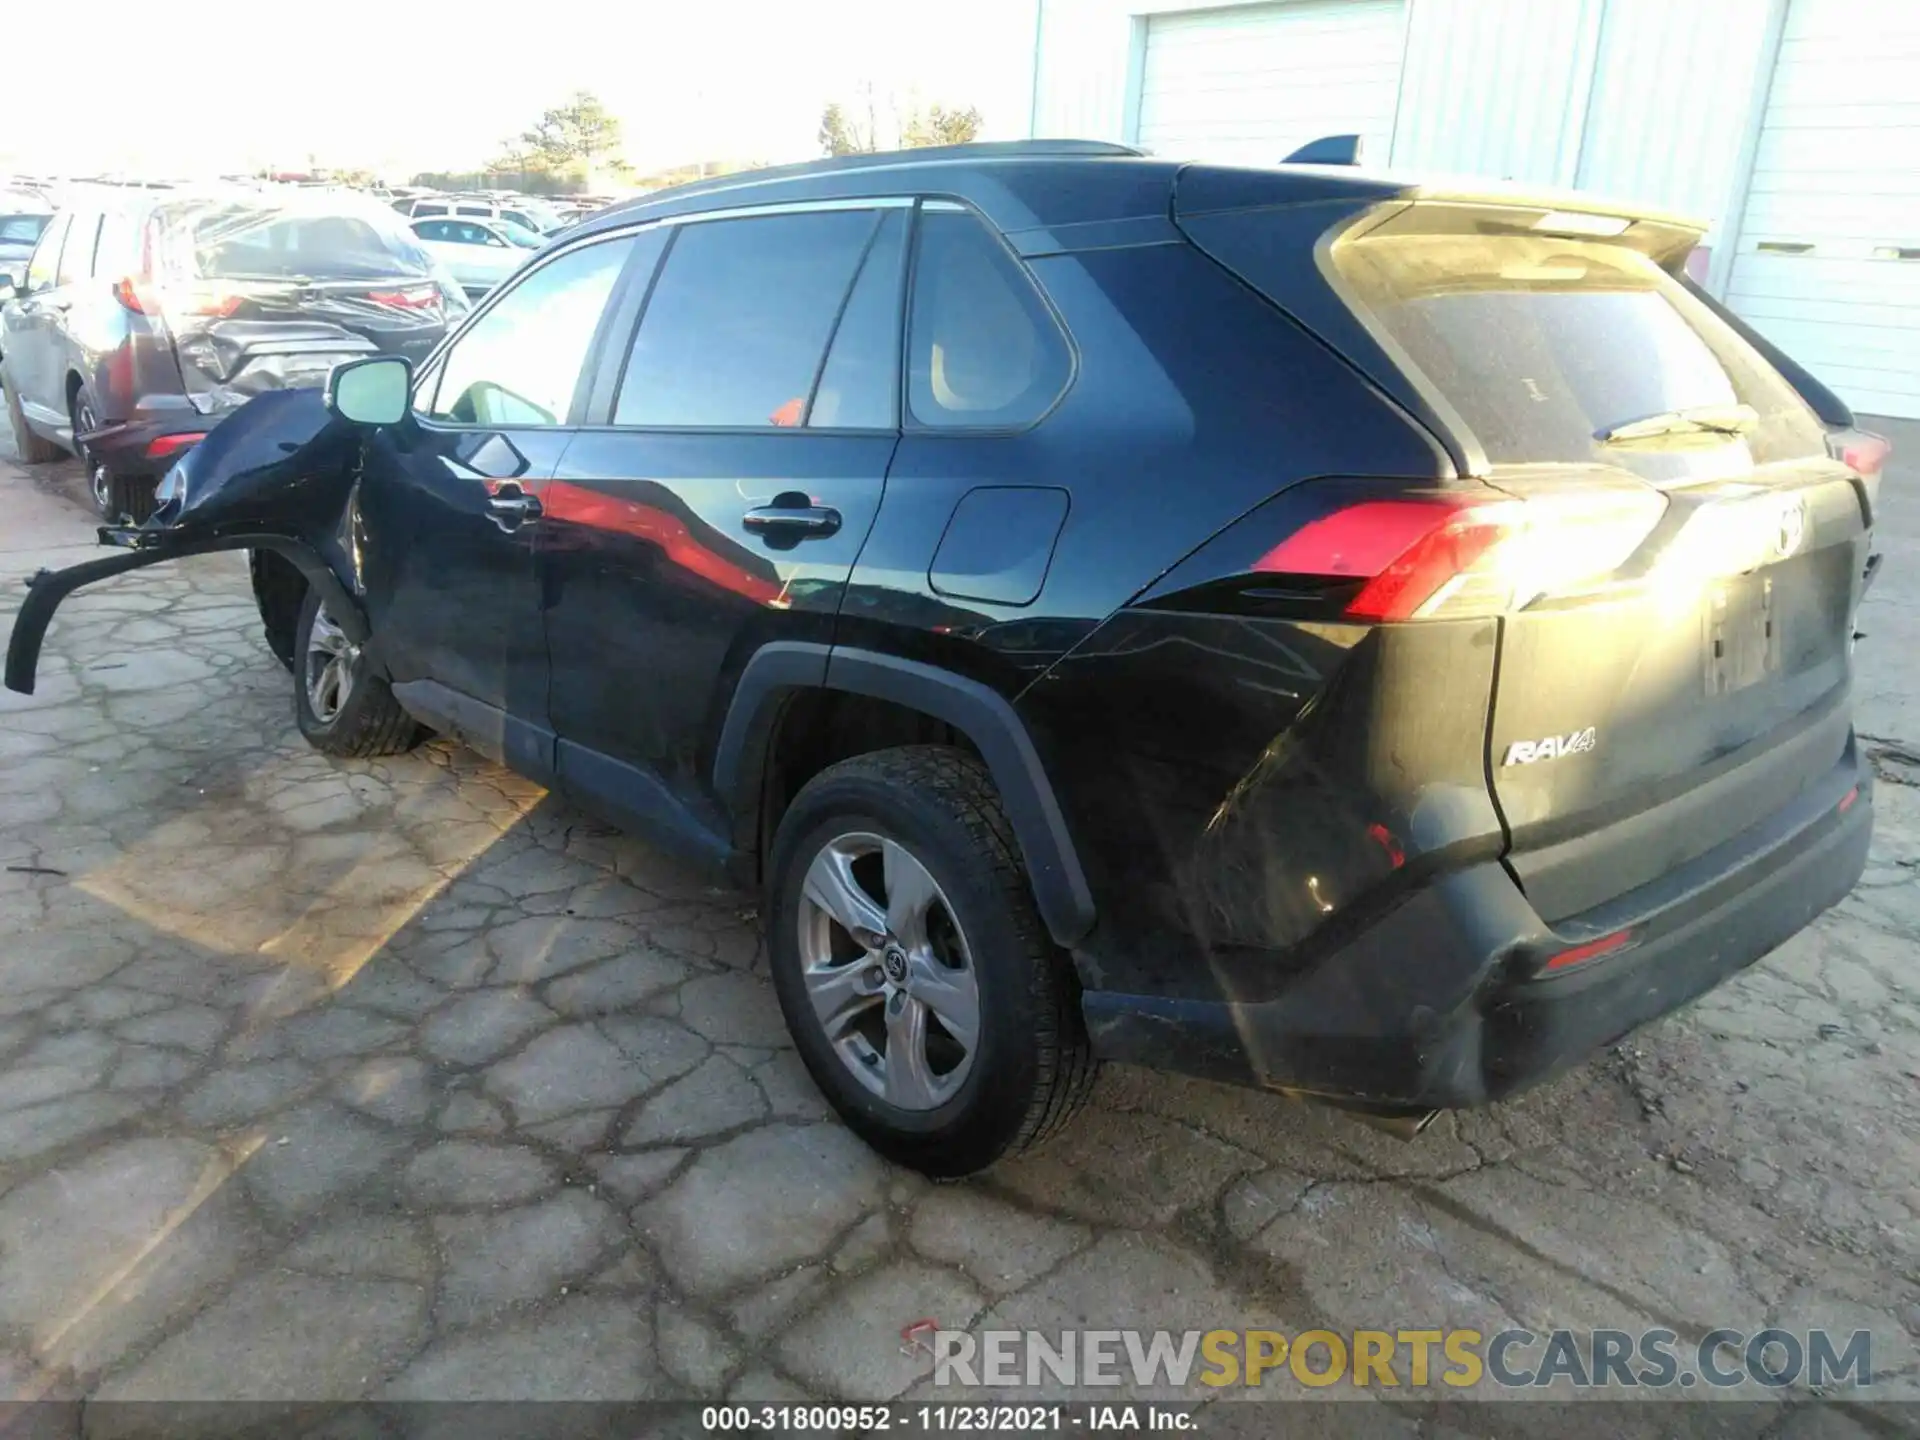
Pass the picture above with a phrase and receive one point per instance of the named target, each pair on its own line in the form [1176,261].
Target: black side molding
[982,715]
[49,588]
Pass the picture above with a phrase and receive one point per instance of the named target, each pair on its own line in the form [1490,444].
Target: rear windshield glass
[1548,349]
[301,240]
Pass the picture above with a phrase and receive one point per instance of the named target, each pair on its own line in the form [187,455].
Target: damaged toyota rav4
[1368,641]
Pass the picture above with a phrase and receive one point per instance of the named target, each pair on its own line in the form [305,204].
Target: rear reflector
[1592,950]
[1846,800]
[161,446]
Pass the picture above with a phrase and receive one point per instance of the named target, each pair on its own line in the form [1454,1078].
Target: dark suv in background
[145,316]
[1293,626]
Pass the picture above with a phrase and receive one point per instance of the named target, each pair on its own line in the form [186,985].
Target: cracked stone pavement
[327,1079]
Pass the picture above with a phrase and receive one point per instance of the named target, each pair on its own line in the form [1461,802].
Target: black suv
[1370,642]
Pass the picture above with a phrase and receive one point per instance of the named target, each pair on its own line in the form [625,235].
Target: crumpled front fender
[277,475]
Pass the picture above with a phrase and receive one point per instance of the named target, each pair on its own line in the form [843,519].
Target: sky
[405,85]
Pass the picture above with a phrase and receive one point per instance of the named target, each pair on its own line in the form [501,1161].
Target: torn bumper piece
[140,547]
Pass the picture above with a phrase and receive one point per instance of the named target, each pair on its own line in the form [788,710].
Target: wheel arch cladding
[1060,887]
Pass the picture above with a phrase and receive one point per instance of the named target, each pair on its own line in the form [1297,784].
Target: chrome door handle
[513,508]
[793,520]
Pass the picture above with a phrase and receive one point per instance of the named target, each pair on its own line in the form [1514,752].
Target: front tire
[916,978]
[342,706]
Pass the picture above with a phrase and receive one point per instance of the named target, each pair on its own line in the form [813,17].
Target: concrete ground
[325,1079]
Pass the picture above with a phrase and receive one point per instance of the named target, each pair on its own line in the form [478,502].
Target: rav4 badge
[1525,752]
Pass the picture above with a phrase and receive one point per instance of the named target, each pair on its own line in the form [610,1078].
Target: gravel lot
[324,1080]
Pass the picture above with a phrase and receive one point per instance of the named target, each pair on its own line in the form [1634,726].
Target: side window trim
[434,370]
[613,342]
[839,315]
[941,205]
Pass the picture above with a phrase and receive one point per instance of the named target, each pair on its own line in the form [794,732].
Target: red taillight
[1591,950]
[1454,556]
[129,292]
[1407,550]
[405,299]
[1861,451]
[212,304]
[162,446]
[1846,800]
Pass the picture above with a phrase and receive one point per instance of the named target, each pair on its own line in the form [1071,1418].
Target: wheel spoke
[910,1080]
[952,995]
[840,993]
[911,893]
[831,886]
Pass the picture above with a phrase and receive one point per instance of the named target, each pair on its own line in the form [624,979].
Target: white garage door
[1251,84]
[1828,258]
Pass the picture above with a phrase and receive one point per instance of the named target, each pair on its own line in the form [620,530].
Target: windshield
[1567,351]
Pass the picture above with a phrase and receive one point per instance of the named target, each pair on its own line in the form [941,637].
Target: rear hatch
[1677,556]
[269,293]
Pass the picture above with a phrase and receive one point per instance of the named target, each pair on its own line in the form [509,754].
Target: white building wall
[1496,87]
[1646,99]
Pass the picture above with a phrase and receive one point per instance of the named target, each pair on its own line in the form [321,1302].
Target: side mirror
[373,391]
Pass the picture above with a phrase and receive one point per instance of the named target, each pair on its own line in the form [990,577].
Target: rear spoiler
[1832,410]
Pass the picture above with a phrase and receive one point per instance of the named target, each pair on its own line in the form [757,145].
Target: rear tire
[343,708]
[33,450]
[998,1060]
[117,499]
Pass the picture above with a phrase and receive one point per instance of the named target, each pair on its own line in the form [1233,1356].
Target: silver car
[145,316]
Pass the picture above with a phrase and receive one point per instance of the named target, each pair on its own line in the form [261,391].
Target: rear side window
[983,350]
[429,210]
[76,259]
[1547,348]
[519,363]
[737,326]
[46,255]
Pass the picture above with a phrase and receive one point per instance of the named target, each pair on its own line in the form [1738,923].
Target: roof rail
[974,150]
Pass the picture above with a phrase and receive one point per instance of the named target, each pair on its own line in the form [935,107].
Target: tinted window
[435,230]
[473,210]
[739,320]
[983,350]
[76,259]
[46,255]
[860,387]
[520,362]
[22,229]
[429,209]
[1544,345]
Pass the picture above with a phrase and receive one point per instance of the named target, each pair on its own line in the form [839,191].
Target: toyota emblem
[1792,531]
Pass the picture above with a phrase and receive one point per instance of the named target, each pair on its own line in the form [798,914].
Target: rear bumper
[1444,1003]
[150,440]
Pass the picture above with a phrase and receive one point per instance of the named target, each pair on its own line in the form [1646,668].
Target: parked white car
[478,253]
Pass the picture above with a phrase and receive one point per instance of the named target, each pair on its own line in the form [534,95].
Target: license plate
[1742,634]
